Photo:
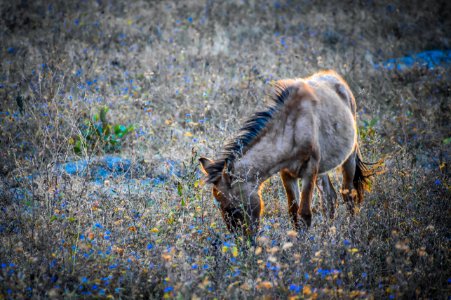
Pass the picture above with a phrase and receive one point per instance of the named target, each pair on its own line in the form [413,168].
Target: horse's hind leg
[328,196]
[347,189]
[291,186]
[308,176]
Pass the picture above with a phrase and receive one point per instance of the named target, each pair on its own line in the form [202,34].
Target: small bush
[98,135]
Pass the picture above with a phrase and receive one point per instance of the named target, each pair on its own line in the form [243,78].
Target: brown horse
[308,131]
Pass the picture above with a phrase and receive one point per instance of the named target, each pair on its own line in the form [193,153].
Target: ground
[107,105]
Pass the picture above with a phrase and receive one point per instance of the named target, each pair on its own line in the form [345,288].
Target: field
[106,106]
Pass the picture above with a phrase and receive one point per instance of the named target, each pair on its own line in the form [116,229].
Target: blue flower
[437,182]
[190,19]
[76,22]
[282,41]
[194,267]
[390,8]
[168,289]
[149,246]
[98,225]
[295,288]
[346,243]
[84,279]
[323,272]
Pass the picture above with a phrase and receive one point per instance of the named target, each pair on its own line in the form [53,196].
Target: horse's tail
[363,174]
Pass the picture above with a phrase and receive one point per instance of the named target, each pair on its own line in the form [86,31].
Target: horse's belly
[337,138]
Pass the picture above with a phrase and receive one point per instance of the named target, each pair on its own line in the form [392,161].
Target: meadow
[106,106]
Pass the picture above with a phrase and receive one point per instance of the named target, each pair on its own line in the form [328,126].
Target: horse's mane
[235,147]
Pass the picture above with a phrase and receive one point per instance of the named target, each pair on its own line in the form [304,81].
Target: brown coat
[310,130]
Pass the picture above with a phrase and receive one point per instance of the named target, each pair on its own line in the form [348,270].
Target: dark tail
[363,174]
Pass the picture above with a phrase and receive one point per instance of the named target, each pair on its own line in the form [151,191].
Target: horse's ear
[204,163]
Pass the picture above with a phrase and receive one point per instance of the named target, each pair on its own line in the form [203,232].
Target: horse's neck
[259,162]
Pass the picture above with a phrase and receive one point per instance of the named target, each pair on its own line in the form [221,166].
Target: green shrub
[97,134]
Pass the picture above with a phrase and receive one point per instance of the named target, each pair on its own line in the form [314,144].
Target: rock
[101,168]
[428,59]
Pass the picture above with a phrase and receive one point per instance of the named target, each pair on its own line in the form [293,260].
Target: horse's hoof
[307,220]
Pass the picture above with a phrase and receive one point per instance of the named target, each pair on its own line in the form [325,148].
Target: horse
[308,130]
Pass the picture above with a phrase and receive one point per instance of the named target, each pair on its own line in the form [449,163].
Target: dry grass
[186,75]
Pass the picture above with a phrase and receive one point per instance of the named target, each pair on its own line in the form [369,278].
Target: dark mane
[235,147]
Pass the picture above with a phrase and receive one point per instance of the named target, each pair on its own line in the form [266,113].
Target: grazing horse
[309,130]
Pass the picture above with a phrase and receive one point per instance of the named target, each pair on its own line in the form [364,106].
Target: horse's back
[332,83]
[335,115]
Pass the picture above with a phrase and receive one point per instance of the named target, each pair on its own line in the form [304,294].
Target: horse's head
[238,200]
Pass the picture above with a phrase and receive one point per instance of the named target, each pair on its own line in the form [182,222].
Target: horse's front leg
[308,176]
[291,186]
[328,196]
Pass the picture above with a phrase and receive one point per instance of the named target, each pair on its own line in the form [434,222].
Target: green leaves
[121,130]
[367,131]
[102,113]
[98,135]
[179,189]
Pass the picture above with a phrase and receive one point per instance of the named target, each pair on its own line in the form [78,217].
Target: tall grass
[185,75]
